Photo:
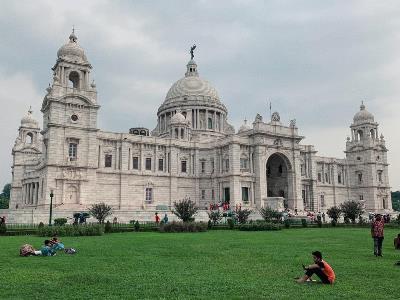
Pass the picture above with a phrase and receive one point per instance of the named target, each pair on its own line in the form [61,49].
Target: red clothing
[157,219]
[377,228]
[328,271]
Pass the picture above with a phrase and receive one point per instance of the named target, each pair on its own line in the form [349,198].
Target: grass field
[211,265]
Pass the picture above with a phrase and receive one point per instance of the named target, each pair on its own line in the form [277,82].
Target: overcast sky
[314,60]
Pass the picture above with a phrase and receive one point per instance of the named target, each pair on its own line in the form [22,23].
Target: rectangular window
[203,194]
[227,165]
[160,164]
[361,197]
[359,177]
[380,176]
[149,195]
[212,194]
[73,151]
[322,200]
[183,166]
[148,164]
[319,177]
[135,163]
[245,194]
[108,161]
[326,177]
[212,165]
[243,164]
[227,195]
[203,167]
[339,178]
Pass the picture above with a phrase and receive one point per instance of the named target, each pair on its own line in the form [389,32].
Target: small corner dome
[29,121]
[72,50]
[363,115]
[244,127]
[178,118]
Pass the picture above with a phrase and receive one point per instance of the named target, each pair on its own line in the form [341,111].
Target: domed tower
[70,126]
[366,154]
[198,102]
[26,155]
[180,127]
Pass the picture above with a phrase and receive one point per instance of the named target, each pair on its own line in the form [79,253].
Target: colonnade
[30,193]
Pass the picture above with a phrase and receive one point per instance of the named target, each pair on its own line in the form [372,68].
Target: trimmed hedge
[184,227]
[72,230]
[260,227]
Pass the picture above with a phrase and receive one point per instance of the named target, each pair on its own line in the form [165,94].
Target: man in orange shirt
[320,268]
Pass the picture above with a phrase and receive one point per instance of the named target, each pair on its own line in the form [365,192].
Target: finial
[93,84]
[191,51]
[362,106]
[245,121]
[72,36]
[48,89]
[30,110]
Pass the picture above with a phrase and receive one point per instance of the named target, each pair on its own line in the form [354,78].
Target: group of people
[2,220]
[158,219]
[49,248]
[325,272]
[224,205]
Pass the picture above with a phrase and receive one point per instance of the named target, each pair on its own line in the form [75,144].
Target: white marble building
[192,152]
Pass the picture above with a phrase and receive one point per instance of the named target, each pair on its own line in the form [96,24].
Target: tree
[5,196]
[270,214]
[396,200]
[6,191]
[334,213]
[215,216]
[100,211]
[242,215]
[185,210]
[351,210]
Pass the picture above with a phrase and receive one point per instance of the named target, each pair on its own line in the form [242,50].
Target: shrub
[319,223]
[100,211]
[270,214]
[304,222]
[185,210]
[346,220]
[41,225]
[215,216]
[242,215]
[287,223]
[351,210]
[183,227]
[71,230]
[136,226]
[3,228]
[361,220]
[259,227]
[209,224]
[108,227]
[334,213]
[231,223]
[132,222]
[60,221]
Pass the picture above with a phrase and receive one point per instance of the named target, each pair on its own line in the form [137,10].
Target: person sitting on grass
[57,244]
[47,249]
[320,268]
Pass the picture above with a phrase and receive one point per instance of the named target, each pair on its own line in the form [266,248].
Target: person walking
[377,234]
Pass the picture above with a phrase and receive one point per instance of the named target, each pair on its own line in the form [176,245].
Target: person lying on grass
[57,244]
[320,268]
[47,249]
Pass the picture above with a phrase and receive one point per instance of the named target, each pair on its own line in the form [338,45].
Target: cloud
[314,60]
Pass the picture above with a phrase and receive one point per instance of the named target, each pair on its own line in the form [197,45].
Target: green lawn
[212,265]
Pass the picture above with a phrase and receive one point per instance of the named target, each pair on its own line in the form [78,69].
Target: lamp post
[51,206]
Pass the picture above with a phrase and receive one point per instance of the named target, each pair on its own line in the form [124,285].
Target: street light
[51,206]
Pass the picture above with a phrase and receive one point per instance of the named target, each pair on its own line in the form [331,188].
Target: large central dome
[191,85]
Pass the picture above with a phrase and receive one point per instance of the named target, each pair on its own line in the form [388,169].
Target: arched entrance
[72,195]
[277,168]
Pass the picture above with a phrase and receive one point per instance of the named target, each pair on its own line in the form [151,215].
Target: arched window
[359,135]
[176,133]
[182,133]
[29,138]
[372,132]
[74,80]
[210,123]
